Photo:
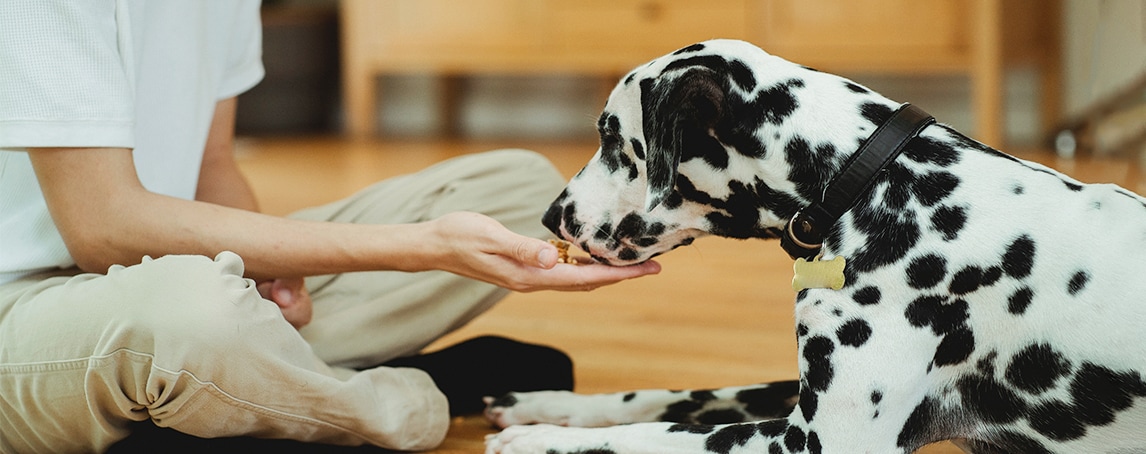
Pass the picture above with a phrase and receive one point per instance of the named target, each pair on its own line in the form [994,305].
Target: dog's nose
[552,218]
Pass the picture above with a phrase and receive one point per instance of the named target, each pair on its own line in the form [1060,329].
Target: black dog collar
[804,234]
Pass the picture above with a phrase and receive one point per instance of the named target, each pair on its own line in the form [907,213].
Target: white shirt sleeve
[246,55]
[64,75]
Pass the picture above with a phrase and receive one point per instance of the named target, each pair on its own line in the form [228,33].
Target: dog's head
[689,147]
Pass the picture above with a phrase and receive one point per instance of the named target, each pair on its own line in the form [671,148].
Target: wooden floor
[719,314]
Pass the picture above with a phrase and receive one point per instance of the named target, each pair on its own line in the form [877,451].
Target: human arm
[221,182]
[107,217]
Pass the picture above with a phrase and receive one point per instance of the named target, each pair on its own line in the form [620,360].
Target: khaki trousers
[187,342]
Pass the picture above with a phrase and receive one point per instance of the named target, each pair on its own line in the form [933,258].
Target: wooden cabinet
[976,38]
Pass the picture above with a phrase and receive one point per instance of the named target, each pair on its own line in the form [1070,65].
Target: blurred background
[1010,72]
[361,90]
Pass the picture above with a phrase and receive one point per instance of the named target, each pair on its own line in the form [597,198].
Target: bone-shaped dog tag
[818,273]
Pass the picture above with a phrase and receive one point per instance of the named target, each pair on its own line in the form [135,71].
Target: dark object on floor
[465,372]
[491,366]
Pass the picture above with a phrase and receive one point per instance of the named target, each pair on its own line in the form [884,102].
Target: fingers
[588,277]
[528,251]
[292,298]
[547,257]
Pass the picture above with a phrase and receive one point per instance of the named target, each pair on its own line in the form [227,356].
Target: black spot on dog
[1019,258]
[814,446]
[1036,368]
[926,150]
[889,237]
[692,428]
[586,451]
[809,403]
[609,129]
[631,77]
[854,333]
[738,215]
[775,448]
[604,232]
[693,48]
[1077,282]
[817,352]
[934,311]
[795,439]
[990,400]
[702,395]
[681,411]
[991,276]
[628,397]
[967,280]
[729,437]
[1099,392]
[877,114]
[569,220]
[1019,301]
[955,347]
[740,73]
[632,225]
[918,428]
[933,187]
[949,221]
[856,88]
[850,276]
[926,272]
[801,330]
[553,217]
[867,296]
[772,401]
[1075,187]
[720,416]
[1018,189]
[772,428]
[507,400]
[986,364]
[806,170]
[900,182]
[1057,420]
[674,200]
[698,144]
[778,101]
[638,148]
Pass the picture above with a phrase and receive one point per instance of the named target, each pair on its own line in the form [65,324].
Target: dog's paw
[561,408]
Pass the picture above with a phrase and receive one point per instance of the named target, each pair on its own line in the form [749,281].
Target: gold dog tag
[818,273]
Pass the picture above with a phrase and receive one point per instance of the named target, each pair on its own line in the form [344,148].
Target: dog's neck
[804,234]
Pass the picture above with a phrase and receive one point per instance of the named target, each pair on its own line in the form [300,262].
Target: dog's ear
[676,108]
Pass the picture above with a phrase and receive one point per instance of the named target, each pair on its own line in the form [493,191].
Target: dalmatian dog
[985,299]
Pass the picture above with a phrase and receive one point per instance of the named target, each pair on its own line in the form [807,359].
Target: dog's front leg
[870,381]
[789,435]
[650,438]
[717,406]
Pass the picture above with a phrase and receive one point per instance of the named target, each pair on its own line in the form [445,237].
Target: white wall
[1104,49]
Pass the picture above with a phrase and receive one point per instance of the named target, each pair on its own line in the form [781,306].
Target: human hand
[291,297]
[479,247]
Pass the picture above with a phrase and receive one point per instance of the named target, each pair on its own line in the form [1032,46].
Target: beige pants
[187,342]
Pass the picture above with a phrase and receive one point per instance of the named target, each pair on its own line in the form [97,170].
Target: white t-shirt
[141,74]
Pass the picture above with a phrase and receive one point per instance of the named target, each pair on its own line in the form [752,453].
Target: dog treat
[563,251]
